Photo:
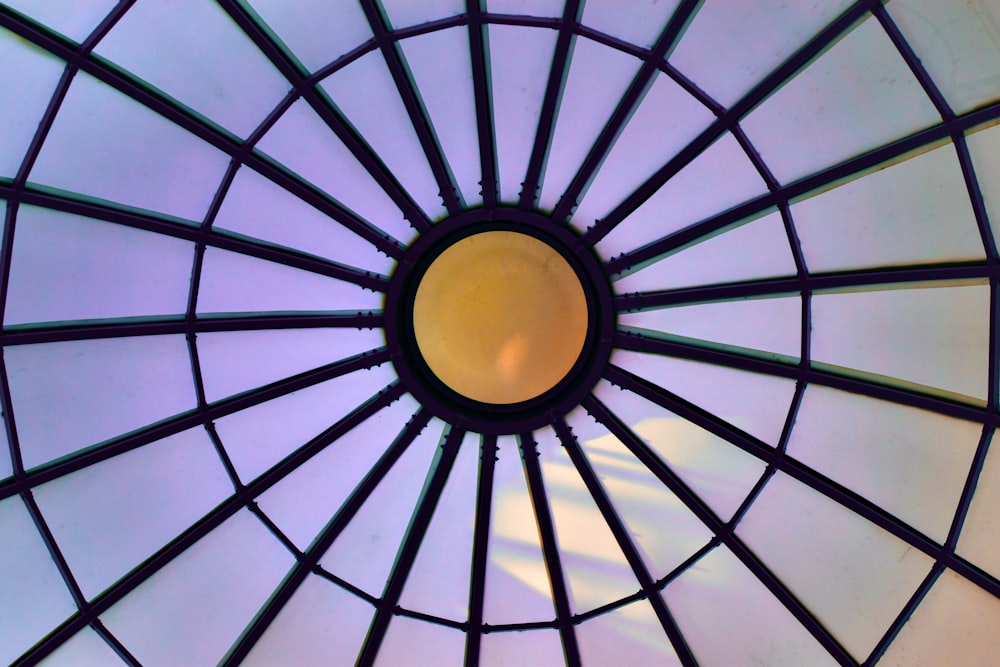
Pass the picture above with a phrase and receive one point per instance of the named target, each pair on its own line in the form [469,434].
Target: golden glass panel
[500,317]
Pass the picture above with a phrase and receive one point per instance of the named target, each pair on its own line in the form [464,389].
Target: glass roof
[211,455]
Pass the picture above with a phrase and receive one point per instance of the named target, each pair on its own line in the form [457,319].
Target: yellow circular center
[500,317]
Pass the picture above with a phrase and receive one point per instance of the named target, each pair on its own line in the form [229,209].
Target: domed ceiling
[716,383]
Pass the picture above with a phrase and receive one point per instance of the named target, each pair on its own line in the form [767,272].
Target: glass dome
[774,445]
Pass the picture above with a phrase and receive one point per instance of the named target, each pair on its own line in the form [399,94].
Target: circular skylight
[499,332]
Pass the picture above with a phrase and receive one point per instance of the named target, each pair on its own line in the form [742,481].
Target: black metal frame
[305,85]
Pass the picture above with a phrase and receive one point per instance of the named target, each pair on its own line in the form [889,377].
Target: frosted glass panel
[510,649]
[598,78]
[35,598]
[517,582]
[84,648]
[529,7]
[958,43]
[666,120]
[957,623]
[322,624]
[131,505]
[364,91]
[936,337]
[985,149]
[28,80]
[519,67]
[758,249]
[74,19]
[721,177]
[67,267]
[128,382]
[980,540]
[629,635]
[911,462]
[403,13]
[853,576]
[107,145]
[641,23]
[319,31]
[412,642]
[858,95]
[195,607]
[201,58]
[758,35]
[729,618]
[912,212]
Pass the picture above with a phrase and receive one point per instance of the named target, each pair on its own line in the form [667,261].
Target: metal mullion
[550,548]
[407,555]
[199,127]
[904,615]
[114,643]
[308,561]
[624,540]
[639,448]
[480,548]
[208,523]
[300,81]
[626,106]
[482,85]
[193,418]
[729,359]
[755,96]
[532,184]
[448,189]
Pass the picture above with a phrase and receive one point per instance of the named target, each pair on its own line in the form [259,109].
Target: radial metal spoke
[480,548]
[482,84]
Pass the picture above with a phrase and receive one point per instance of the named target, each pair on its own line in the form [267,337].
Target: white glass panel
[593,564]
[958,44]
[35,598]
[520,59]
[192,610]
[719,178]
[663,530]
[985,149]
[84,648]
[320,626]
[721,474]
[438,584]
[773,325]
[511,649]
[365,551]
[259,437]
[403,13]
[307,499]
[28,79]
[729,618]
[233,282]
[598,78]
[757,35]
[131,505]
[912,212]
[527,7]
[957,623]
[318,31]
[365,93]
[302,141]
[911,462]
[235,361]
[756,403]
[856,96]
[107,145]
[441,67]
[932,336]
[629,635]
[641,22]
[758,249]
[517,581]
[666,120]
[980,539]
[199,56]
[258,207]
[67,267]
[103,388]
[73,19]
[853,576]
[411,642]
